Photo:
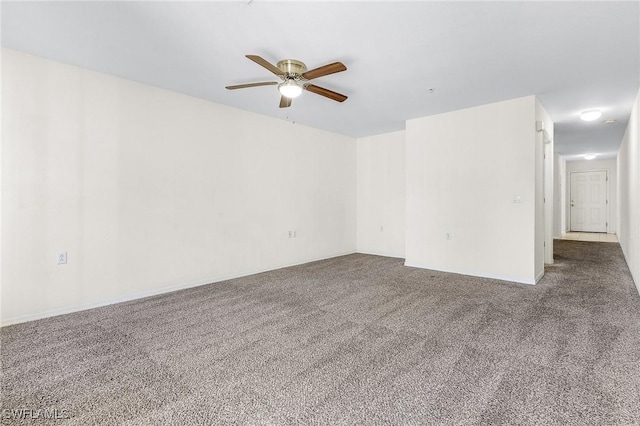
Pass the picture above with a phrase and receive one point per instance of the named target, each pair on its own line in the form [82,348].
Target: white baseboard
[396,256]
[149,293]
[635,280]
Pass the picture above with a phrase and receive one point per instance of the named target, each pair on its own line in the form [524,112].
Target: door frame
[606,195]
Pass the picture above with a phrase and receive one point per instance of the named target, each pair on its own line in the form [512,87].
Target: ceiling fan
[294,76]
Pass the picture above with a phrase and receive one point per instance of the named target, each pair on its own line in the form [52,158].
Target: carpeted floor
[357,339]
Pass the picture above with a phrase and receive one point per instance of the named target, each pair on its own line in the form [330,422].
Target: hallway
[590,236]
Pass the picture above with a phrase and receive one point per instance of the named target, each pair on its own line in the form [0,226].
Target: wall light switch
[517,198]
[62,258]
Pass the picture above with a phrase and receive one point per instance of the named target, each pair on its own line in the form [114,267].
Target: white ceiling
[572,55]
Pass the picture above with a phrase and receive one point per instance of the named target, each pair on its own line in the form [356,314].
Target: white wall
[591,165]
[1,183]
[380,189]
[559,196]
[629,193]
[544,190]
[463,169]
[149,190]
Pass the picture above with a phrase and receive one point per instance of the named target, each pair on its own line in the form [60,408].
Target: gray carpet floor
[357,339]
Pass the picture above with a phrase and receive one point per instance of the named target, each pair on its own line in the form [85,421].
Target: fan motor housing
[292,66]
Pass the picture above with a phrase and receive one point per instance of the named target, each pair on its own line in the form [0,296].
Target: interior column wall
[544,194]
[559,196]
[628,165]
[470,191]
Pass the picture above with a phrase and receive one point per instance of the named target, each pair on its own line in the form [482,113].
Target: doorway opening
[589,201]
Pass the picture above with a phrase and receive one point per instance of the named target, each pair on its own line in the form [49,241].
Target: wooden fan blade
[242,86]
[324,70]
[285,102]
[263,62]
[325,92]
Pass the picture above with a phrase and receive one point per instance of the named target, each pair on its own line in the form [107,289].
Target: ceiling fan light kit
[290,89]
[294,76]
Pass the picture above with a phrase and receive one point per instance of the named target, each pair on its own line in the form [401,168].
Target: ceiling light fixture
[290,89]
[589,156]
[590,115]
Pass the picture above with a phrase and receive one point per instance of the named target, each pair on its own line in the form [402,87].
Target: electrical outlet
[294,234]
[448,235]
[290,234]
[62,258]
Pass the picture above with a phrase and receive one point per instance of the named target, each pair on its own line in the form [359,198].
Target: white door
[589,201]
